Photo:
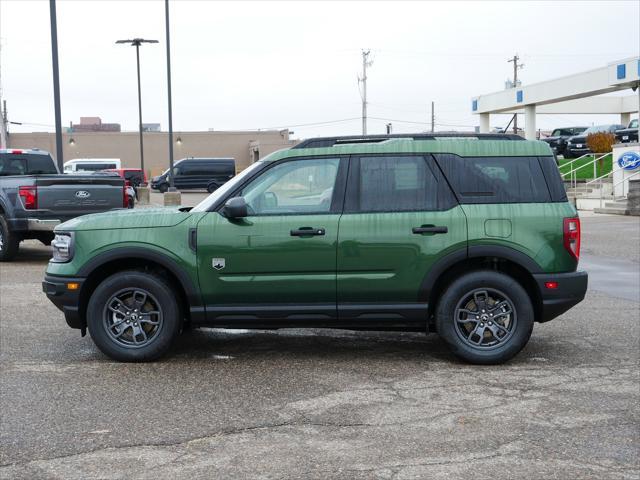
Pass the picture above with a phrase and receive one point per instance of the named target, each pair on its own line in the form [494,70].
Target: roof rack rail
[323,142]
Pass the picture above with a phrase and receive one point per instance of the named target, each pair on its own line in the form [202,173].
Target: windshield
[596,129]
[634,123]
[204,205]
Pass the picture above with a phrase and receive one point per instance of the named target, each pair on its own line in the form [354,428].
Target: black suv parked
[190,173]
[558,138]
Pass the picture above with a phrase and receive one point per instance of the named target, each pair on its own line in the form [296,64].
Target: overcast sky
[251,65]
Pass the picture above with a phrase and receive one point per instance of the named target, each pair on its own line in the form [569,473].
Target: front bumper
[571,289]
[68,301]
[577,151]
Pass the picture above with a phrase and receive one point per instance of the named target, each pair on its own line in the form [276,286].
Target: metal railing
[573,176]
[613,187]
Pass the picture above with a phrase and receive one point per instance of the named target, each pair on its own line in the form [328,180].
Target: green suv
[470,237]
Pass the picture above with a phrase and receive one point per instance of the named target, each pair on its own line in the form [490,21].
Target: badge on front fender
[217,263]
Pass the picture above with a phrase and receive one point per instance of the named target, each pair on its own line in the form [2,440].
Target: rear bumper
[68,301]
[34,224]
[42,225]
[570,291]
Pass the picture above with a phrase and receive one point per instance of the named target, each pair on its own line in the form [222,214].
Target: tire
[130,203]
[503,334]
[134,292]
[212,187]
[163,188]
[9,242]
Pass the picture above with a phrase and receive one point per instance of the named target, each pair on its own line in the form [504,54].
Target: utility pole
[56,82]
[365,63]
[433,116]
[516,66]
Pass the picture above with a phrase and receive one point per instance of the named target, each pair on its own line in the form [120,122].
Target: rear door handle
[307,232]
[429,229]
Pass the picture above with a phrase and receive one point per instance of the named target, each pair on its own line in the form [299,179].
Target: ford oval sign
[82,194]
[629,160]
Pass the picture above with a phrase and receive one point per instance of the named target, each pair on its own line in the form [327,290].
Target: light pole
[166,19]
[56,82]
[136,42]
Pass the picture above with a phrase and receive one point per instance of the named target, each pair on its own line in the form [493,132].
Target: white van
[91,164]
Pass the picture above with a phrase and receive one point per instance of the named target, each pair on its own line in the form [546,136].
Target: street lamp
[136,42]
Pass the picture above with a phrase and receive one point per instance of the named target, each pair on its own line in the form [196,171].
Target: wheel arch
[506,260]
[135,258]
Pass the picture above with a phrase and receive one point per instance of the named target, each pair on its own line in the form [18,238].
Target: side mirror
[235,207]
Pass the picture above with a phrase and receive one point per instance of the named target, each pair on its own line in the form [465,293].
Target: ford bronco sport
[470,237]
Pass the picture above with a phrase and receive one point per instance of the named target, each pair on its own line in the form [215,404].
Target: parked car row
[571,142]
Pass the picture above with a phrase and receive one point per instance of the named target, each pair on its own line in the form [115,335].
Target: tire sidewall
[212,187]
[445,316]
[167,302]
[9,242]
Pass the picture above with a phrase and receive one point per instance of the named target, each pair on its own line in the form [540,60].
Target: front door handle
[307,232]
[432,229]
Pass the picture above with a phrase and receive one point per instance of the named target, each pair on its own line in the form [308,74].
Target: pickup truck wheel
[485,317]
[8,241]
[133,316]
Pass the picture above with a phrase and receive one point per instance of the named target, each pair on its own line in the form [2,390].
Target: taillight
[29,195]
[571,235]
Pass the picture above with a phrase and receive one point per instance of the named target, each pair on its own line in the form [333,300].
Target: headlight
[62,246]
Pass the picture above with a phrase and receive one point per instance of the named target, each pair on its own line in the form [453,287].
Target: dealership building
[244,146]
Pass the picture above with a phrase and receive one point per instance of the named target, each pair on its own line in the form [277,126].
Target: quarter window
[294,187]
[495,179]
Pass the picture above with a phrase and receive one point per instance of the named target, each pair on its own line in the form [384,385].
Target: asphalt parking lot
[324,404]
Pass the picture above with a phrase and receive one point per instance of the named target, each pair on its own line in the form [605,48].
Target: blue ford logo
[629,160]
[82,194]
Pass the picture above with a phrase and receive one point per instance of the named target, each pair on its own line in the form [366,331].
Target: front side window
[396,184]
[294,187]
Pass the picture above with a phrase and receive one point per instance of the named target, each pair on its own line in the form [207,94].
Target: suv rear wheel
[8,241]
[133,316]
[485,317]
[212,187]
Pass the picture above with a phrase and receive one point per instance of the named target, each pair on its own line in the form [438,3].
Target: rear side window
[495,179]
[395,184]
[553,178]
[26,164]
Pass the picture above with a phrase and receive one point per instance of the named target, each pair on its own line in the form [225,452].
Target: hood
[126,218]
[578,139]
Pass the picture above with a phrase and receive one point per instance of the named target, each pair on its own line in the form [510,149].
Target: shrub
[601,142]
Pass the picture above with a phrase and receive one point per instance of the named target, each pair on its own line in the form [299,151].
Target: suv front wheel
[133,316]
[485,317]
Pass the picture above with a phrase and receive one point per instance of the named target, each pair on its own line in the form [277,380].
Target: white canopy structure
[577,93]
